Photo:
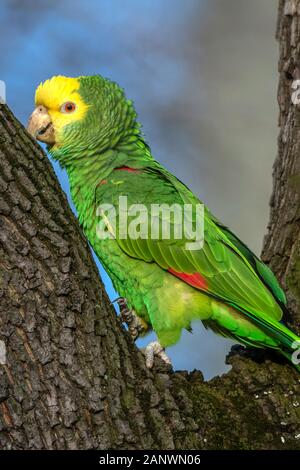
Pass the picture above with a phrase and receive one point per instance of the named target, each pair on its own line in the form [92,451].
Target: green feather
[241,298]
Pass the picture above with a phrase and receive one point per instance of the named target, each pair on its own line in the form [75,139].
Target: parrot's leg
[155,349]
[136,326]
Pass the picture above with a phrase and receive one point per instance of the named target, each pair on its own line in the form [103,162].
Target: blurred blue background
[202,74]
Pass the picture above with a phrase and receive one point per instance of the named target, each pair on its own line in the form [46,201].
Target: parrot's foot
[136,326]
[155,349]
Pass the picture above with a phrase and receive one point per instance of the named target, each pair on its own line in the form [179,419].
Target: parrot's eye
[68,107]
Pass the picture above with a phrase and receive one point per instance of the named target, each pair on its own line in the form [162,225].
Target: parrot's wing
[224,267]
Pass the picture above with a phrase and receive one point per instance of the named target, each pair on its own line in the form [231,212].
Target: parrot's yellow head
[58,104]
[75,114]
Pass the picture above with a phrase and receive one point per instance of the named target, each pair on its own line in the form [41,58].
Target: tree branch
[282,243]
[73,378]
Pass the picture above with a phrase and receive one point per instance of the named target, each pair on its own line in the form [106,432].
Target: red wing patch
[121,168]
[194,279]
[127,168]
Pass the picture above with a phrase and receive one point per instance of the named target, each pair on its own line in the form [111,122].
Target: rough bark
[73,378]
[282,242]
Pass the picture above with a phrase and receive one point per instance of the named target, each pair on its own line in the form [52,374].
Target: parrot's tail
[293,357]
[288,342]
[291,351]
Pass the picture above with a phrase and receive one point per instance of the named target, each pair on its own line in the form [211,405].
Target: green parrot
[91,129]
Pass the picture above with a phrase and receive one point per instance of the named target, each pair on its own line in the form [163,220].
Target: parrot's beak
[40,125]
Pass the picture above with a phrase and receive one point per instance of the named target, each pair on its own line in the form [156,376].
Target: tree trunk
[282,243]
[73,378]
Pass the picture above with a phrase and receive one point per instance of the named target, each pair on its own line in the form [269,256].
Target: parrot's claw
[137,326]
[155,349]
[128,316]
